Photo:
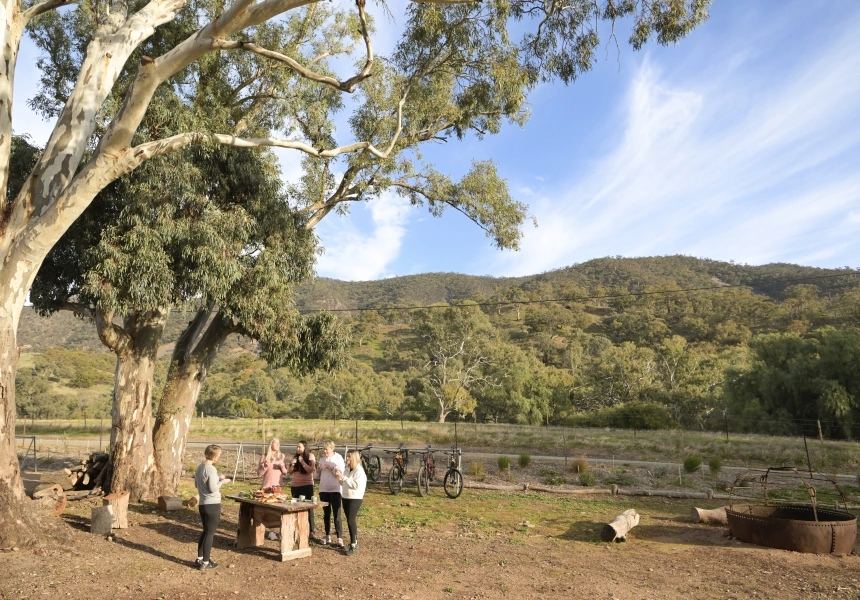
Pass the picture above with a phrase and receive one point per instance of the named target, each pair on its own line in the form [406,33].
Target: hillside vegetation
[610,342]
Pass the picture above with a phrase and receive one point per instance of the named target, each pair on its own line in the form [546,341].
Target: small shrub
[619,478]
[587,479]
[546,472]
[715,464]
[525,460]
[661,471]
[692,463]
[579,464]
[504,463]
[476,469]
[555,480]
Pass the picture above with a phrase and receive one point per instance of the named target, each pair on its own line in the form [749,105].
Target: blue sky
[741,143]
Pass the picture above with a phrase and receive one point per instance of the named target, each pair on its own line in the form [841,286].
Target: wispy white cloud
[352,254]
[740,166]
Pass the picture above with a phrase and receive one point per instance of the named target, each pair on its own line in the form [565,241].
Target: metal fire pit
[785,524]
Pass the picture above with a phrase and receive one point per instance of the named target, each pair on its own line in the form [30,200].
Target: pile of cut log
[81,480]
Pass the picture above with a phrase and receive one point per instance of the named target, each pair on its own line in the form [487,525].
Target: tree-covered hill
[609,341]
[595,276]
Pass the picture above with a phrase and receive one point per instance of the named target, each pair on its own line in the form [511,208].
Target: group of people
[341,486]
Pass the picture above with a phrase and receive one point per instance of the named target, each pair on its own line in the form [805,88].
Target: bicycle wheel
[453,483]
[374,468]
[423,481]
[395,480]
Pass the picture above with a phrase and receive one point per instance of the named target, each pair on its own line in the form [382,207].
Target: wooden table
[290,517]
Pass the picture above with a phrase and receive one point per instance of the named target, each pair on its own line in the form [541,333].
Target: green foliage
[692,463]
[476,469]
[579,464]
[525,460]
[504,463]
[634,415]
[715,465]
[617,478]
[587,479]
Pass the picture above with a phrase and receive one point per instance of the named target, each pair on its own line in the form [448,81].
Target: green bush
[587,479]
[715,464]
[579,464]
[619,478]
[525,460]
[633,415]
[692,463]
[504,463]
[476,469]
[555,480]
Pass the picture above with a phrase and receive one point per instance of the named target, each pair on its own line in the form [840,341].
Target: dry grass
[661,446]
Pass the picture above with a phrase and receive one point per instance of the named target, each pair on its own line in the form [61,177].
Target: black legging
[307,491]
[350,508]
[210,514]
[333,499]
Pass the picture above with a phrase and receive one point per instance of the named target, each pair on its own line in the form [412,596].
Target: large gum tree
[95,138]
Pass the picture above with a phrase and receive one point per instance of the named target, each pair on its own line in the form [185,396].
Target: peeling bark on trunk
[131,457]
[188,370]
[18,524]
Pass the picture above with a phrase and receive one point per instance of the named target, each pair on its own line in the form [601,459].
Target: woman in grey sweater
[208,484]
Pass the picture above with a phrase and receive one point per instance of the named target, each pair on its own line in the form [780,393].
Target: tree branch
[344,86]
[43,7]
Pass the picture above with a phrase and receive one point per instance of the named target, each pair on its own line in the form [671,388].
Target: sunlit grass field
[742,450]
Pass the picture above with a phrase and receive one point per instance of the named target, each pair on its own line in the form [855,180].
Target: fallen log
[619,527]
[576,492]
[101,520]
[52,504]
[47,489]
[166,503]
[81,494]
[119,502]
[716,516]
[666,494]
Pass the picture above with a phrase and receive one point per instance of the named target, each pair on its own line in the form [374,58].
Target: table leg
[251,529]
[294,536]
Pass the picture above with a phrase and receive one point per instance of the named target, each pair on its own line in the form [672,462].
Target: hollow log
[101,520]
[716,516]
[620,525]
[166,503]
[47,490]
[119,502]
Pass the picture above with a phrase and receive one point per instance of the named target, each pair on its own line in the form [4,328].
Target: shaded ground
[412,548]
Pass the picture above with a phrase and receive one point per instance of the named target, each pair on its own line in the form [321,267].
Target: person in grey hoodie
[208,484]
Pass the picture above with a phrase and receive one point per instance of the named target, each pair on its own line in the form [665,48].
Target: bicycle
[399,468]
[453,482]
[427,470]
[371,463]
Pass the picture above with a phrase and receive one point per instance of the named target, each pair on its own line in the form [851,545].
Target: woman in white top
[353,482]
[330,466]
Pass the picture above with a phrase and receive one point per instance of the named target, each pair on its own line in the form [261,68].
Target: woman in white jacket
[353,482]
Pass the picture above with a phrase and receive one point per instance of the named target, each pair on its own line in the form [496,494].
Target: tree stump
[119,502]
[101,520]
[166,503]
[716,516]
[620,525]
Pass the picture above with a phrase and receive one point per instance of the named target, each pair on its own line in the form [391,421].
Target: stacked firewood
[88,475]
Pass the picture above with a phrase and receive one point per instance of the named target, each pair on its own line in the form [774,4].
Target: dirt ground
[482,545]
